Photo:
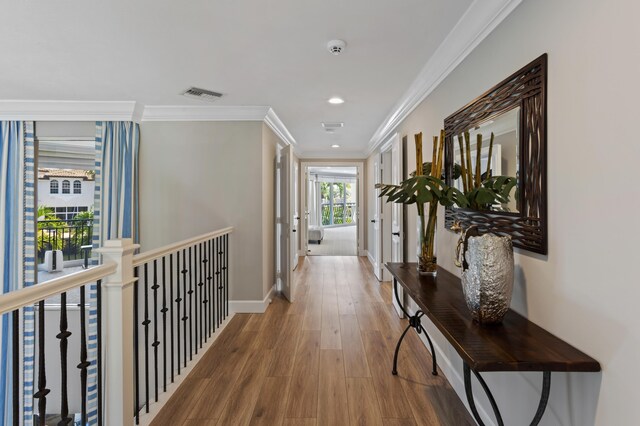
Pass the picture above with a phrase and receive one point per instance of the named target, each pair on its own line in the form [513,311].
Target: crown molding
[479,20]
[204,113]
[67,110]
[336,154]
[273,121]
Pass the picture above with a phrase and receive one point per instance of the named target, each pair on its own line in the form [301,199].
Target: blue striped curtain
[17,246]
[115,212]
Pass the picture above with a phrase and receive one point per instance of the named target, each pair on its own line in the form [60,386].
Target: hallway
[324,360]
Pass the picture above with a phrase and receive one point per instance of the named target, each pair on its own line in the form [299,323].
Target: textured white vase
[487,283]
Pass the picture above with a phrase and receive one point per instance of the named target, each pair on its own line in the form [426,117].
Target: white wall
[583,291]
[197,177]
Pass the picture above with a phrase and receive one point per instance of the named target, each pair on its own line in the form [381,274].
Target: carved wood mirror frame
[526,88]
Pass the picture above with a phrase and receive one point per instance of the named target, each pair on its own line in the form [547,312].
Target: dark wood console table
[515,345]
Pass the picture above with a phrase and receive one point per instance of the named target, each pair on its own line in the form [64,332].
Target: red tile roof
[64,173]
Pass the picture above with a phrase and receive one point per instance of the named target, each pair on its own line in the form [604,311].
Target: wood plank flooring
[323,360]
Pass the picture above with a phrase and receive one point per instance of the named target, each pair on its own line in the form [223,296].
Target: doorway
[332,196]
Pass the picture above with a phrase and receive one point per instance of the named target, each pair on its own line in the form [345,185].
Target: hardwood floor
[323,360]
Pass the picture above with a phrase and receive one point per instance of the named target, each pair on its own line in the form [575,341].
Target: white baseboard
[453,375]
[155,407]
[252,306]
[371,259]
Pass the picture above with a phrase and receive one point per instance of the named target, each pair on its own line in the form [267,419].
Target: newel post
[117,308]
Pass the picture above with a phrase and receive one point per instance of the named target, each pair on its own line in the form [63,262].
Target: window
[66,187]
[77,187]
[69,213]
[53,187]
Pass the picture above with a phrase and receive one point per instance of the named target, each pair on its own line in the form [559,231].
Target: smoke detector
[202,94]
[336,47]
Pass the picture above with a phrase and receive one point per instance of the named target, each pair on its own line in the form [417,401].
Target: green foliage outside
[56,234]
[342,214]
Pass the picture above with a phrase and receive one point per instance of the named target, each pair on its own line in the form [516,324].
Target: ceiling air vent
[202,94]
[333,125]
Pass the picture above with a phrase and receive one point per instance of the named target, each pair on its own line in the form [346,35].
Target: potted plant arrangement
[426,186]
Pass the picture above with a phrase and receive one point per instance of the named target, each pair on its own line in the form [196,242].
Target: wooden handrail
[30,295]
[142,258]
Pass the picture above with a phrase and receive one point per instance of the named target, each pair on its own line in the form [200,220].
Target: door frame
[304,166]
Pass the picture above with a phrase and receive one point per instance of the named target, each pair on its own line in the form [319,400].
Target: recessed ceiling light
[335,145]
[336,100]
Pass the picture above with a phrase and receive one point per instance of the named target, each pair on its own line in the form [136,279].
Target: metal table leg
[542,405]
[414,321]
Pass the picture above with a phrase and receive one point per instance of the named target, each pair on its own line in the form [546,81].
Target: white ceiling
[256,52]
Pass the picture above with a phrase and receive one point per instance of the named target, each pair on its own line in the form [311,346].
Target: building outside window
[53,187]
[77,187]
[66,187]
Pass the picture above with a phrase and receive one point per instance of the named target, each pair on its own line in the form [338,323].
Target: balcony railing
[154,315]
[341,214]
[67,236]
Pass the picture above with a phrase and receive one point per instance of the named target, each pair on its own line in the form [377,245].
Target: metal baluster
[219,305]
[219,272]
[64,336]
[219,278]
[136,345]
[146,323]
[205,302]
[16,366]
[190,306]
[197,294]
[75,241]
[171,315]
[178,300]
[184,305]
[164,323]
[99,336]
[226,275]
[211,291]
[155,343]
[42,377]
[200,284]
[84,364]
[207,271]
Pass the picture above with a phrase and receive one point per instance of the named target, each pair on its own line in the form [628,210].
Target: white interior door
[296,216]
[285,218]
[377,221]
[397,233]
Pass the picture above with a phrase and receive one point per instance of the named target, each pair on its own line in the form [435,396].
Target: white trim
[67,110]
[142,258]
[204,113]
[482,17]
[334,154]
[252,306]
[360,167]
[163,398]
[273,121]
[29,295]
[371,259]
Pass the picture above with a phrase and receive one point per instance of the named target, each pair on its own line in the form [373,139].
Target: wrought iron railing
[177,297]
[30,317]
[67,236]
[181,297]
[340,214]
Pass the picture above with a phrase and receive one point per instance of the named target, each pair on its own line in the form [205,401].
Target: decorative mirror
[514,112]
